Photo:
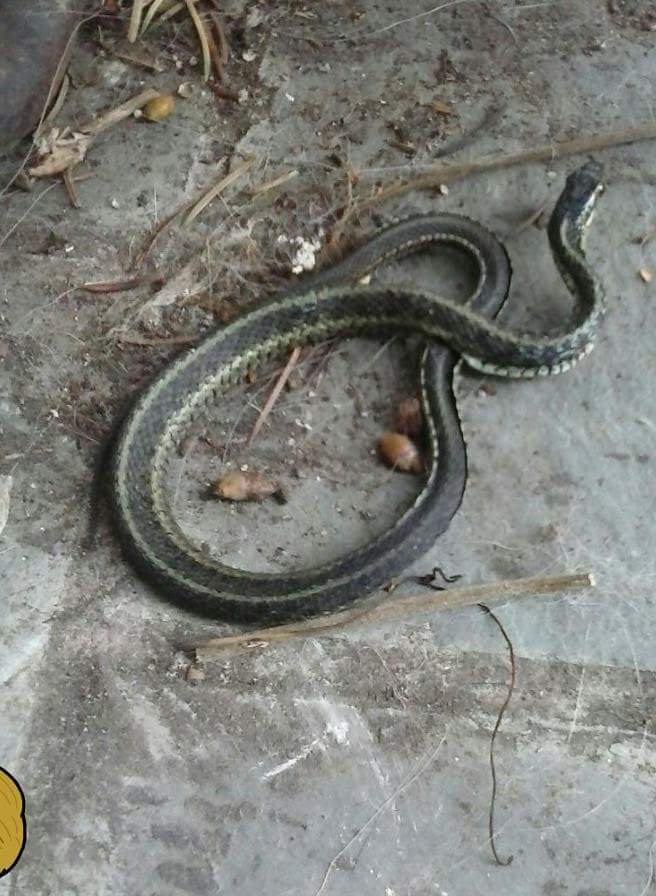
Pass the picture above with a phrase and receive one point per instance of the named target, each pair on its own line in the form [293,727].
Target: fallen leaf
[59,150]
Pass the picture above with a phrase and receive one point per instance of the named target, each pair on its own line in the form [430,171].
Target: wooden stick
[558,149]
[119,113]
[400,608]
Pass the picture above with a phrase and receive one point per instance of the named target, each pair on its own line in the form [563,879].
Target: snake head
[582,189]
[575,207]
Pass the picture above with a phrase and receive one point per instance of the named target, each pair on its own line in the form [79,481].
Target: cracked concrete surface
[370,747]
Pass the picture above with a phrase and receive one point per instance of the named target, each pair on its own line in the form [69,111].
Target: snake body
[326,306]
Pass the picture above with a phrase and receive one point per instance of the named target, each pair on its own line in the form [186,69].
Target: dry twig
[109,286]
[546,152]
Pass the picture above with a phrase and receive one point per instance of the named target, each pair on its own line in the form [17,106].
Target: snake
[339,302]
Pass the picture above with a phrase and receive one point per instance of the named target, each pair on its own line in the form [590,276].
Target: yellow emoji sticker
[12,822]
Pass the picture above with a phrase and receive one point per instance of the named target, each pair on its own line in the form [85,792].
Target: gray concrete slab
[368,749]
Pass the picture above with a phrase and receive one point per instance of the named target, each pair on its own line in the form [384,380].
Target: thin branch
[558,149]
[275,392]
[381,608]
[504,706]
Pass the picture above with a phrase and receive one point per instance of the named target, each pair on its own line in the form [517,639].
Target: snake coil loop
[325,306]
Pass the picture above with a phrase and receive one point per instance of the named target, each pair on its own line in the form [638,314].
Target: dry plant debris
[400,453]
[245,486]
[381,609]
[61,149]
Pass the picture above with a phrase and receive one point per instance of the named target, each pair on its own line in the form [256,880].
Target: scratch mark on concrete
[290,763]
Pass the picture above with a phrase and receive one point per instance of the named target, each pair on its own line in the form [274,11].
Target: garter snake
[332,303]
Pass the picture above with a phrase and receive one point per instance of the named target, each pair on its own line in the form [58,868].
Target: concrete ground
[364,755]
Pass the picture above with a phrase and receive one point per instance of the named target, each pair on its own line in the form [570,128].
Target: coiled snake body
[331,305]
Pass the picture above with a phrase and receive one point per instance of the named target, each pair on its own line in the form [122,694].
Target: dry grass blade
[275,392]
[70,187]
[153,9]
[275,182]
[215,56]
[381,609]
[199,25]
[214,191]
[159,229]
[173,11]
[56,107]
[135,20]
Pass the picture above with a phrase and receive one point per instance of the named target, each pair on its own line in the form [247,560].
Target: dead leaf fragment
[244,486]
[193,674]
[59,150]
[400,453]
[442,108]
